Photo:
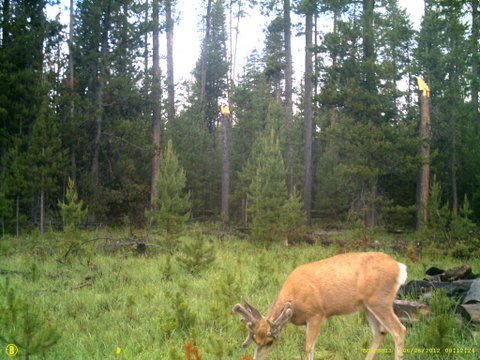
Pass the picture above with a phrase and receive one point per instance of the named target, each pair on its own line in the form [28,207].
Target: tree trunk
[423,179]
[5,23]
[369,205]
[145,50]
[17,215]
[42,210]
[99,107]
[203,74]
[331,145]
[475,64]
[156,96]
[368,44]
[308,121]
[288,93]
[170,72]
[233,43]
[225,167]
[71,73]
[226,119]
[42,199]
[454,165]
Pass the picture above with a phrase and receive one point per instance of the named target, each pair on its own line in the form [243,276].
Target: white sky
[187,37]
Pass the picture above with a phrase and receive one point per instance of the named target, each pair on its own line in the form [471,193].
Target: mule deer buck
[335,286]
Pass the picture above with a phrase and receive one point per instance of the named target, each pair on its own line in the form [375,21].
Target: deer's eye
[269,343]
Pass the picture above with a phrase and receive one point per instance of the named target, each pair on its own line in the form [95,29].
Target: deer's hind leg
[384,315]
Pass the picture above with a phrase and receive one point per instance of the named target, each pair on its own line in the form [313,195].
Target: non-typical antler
[251,316]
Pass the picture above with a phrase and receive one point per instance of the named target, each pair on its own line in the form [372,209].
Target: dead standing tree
[424,171]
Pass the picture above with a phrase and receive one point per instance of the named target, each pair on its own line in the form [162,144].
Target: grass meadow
[121,304]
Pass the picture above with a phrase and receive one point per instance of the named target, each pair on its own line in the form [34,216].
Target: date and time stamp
[12,350]
[451,350]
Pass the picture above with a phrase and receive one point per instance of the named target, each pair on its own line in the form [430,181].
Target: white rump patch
[402,275]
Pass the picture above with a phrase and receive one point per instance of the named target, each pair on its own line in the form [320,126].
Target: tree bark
[145,50]
[17,215]
[42,197]
[368,44]
[42,209]
[156,97]
[203,73]
[423,178]
[170,72]
[308,120]
[475,64]
[99,106]
[288,93]
[225,167]
[454,165]
[5,23]
[71,74]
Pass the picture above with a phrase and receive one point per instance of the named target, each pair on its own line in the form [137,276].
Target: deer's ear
[282,319]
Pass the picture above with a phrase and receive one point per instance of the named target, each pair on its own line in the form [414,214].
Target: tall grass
[124,305]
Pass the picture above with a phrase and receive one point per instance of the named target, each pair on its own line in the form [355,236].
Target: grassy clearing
[149,306]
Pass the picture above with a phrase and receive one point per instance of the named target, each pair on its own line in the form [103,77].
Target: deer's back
[341,284]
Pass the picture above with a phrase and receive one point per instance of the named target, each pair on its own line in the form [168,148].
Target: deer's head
[262,330]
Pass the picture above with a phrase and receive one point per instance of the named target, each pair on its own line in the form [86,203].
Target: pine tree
[267,192]
[25,324]
[72,210]
[46,160]
[173,203]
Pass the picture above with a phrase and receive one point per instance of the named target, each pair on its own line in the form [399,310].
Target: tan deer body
[335,286]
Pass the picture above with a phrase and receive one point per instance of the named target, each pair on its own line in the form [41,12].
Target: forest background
[89,102]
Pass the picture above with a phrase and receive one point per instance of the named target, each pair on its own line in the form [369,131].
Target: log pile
[459,283]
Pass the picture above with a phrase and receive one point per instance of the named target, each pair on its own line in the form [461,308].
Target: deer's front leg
[313,326]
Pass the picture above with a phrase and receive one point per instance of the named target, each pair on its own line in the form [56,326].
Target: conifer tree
[46,160]
[25,324]
[72,210]
[173,203]
[267,193]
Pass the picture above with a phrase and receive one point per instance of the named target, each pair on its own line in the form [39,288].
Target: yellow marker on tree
[423,87]
[224,109]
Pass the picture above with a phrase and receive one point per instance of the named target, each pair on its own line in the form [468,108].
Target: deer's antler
[282,319]
[251,316]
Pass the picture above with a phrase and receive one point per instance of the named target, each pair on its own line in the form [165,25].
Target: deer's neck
[277,306]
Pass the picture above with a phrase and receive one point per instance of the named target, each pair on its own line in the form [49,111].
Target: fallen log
[140,246]
[463,271]
[325,232]
[453,289]
[473,294]
[409,311]
[470,311]
[15,272]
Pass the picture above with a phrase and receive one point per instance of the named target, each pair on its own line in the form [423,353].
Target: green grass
[149,306]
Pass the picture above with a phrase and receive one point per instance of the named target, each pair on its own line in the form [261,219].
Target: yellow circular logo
[11,350]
